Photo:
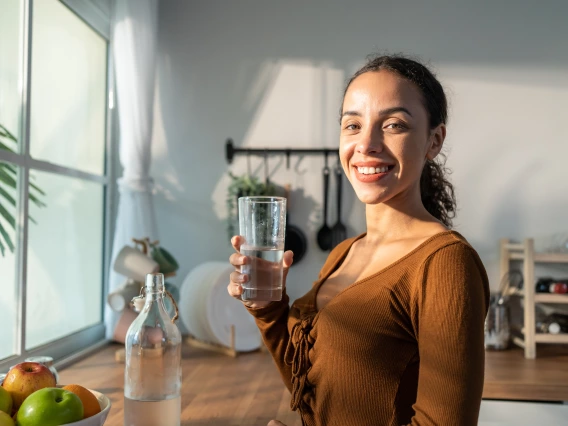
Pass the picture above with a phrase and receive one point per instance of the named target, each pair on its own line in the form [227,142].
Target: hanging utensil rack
[231,151]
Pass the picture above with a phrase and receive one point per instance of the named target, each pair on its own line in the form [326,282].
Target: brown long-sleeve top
[403,346]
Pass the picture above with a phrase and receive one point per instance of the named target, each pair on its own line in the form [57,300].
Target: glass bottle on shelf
[152,373]
[555,323]
[497,328]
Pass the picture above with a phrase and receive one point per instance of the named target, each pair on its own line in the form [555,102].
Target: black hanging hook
[266,167]
[248,164]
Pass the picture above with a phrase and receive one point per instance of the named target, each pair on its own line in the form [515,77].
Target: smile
[373,170]
[371,174]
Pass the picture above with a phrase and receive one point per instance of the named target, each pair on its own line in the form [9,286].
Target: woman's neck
[394,220]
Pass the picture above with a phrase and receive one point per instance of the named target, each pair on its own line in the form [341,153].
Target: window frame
[74,346]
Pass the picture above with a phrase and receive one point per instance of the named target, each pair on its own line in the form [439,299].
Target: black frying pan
[295,238]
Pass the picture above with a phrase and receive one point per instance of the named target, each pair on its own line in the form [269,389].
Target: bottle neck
[154,295]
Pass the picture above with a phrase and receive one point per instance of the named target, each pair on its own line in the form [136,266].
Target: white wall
[271,75]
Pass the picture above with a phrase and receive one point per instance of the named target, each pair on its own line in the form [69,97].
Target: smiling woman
[391,332]
[427,101]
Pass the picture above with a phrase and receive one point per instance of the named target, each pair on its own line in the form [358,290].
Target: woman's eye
[396,126]
[351,127]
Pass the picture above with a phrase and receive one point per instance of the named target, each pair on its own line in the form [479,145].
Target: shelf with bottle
[531,299]
[541,297]
[551,338]
[550,298]
[539,257]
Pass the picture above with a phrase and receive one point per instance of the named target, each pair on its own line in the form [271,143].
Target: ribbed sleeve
[272,323]
[451,304]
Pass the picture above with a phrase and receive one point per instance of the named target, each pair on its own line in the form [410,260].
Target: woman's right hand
[237,279]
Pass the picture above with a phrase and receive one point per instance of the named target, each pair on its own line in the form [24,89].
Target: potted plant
[8,184]
[244,186]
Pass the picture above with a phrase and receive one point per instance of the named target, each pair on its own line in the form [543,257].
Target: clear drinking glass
[262,223]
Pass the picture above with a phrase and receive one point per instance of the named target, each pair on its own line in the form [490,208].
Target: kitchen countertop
[247,390]
[508,375]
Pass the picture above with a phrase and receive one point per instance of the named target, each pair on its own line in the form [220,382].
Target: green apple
[5,419]
[5,401]
[50,407]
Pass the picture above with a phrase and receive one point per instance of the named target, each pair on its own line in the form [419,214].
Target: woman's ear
[436,141]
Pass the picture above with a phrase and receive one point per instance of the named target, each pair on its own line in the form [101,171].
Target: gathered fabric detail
[297,356]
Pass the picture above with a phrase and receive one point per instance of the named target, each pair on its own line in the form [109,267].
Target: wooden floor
[217,389]
[247,390]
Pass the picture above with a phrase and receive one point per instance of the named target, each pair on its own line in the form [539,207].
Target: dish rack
[525,252]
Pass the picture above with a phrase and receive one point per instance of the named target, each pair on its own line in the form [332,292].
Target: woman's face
[385,137]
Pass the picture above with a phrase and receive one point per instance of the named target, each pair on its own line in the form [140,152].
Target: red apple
[25,378]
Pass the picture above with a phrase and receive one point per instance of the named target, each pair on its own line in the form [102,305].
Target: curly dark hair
[436,191]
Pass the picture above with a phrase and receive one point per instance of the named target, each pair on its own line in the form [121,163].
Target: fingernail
[243,259]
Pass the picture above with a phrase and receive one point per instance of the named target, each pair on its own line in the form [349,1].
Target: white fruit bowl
[99,418]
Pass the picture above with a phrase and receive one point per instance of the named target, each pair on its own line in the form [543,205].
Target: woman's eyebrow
[392,110]
[352,113]
[385,111]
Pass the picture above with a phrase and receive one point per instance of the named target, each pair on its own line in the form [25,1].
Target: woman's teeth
[372,170]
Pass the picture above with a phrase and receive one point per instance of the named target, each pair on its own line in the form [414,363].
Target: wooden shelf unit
[525,252]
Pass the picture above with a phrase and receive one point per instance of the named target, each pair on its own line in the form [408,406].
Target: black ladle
[325,233]
[339,231]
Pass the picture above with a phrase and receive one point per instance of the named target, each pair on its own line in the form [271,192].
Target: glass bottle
[497,331]
[152,374]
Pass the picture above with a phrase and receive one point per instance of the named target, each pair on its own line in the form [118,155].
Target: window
[54,176]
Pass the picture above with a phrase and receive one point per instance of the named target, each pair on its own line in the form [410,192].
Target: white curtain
[134,51]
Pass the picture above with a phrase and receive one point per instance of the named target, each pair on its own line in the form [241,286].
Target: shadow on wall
[274,78]
[285,104]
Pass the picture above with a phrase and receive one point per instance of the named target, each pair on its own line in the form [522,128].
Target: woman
[391,333]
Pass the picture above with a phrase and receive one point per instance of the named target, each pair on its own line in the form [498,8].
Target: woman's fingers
[287,261]
[275,423]
[235,285]
[288,258]
[237,260]
[238,278]
[236,242]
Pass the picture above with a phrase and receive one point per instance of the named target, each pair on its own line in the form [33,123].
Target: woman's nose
[371,142]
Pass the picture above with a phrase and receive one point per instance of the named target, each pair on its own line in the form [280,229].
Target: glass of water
[262,224]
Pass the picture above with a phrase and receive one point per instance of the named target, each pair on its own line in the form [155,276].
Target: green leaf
[6,148]
[164,258]
[11,168]
[36,200]
[1,246]
[38,189]
[7,196]
[6,178]
[8,134]
[6,215]
[7,239]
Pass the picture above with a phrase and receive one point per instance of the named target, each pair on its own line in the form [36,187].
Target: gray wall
[271,75]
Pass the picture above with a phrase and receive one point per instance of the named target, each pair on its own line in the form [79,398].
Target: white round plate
[190,299]
[224,311]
